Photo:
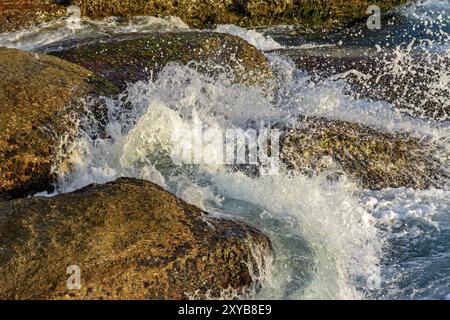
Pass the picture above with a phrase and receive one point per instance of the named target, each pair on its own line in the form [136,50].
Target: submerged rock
[131,239]
[20,14]
[372,158]
[40,107]
[134,57]
[415,83]
[201,13]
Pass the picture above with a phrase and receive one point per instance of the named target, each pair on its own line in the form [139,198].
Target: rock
[326,62]
[20,14]
[202,13]
[131,239]
[372,158]
[134,57]
[414,83]
[40,105]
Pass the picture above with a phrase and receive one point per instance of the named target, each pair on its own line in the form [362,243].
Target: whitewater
[332,239]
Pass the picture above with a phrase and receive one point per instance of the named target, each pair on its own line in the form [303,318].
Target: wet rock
[134,57]
[20,14]
[131,239]
[201,13]
[41,100]
[372,158]
[415,83]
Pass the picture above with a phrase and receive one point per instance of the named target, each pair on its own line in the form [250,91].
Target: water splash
[264,43]
[332,239]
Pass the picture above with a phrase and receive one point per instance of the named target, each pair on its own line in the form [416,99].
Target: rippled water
[333,240]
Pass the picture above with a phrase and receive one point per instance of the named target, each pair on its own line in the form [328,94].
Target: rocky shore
[247,13]
[21,14]
[372,158]
[130,238]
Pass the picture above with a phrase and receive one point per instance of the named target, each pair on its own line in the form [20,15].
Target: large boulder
[41,102]
[19,14]
[415,83]
[130,239]
[372,158]
[201,13]
[134,57]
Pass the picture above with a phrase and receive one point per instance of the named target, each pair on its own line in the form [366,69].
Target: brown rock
[131,240]
[134,57]
[20,14]
[41,101]
[201,13]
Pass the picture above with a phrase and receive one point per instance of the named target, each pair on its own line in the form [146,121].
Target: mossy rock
[41,103]
[131,239]
[21,14]
[372,158]
[247,13]
[413,86]
[129,58]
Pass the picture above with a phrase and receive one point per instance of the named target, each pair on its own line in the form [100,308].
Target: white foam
[298,95]
[253,37]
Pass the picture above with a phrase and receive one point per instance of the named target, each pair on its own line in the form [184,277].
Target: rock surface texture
[131,239]
[316,14]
